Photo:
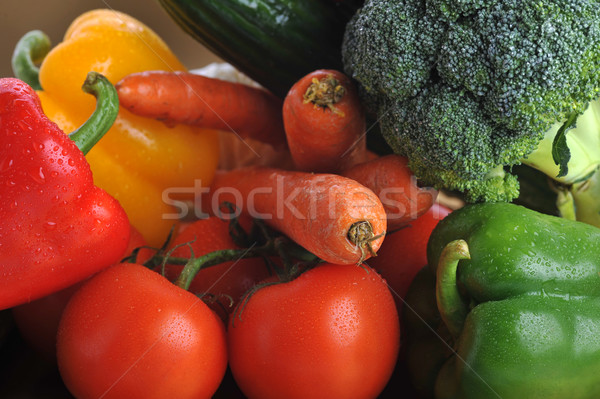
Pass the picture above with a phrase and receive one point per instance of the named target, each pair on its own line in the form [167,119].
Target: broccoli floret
[472,165]
[466,89]
[372,55]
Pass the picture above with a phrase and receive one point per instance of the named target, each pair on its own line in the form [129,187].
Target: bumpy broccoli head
[372,48]
[467,88]
[426,126]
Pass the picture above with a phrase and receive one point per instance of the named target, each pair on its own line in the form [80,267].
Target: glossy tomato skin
[130,333]
[38,320]
[404,252]
[331,333]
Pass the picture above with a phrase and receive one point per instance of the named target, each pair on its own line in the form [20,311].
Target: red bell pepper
[56,227]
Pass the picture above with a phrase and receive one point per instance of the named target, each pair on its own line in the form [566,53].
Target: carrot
[190,99]
[324,122]
[333,217]
[394,183]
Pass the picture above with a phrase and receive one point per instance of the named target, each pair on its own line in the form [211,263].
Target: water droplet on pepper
[38,176]
[5,164]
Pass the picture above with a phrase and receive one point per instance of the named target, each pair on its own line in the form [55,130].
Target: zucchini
[274,42]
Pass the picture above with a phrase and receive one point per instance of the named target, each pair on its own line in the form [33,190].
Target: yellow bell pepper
[139,161]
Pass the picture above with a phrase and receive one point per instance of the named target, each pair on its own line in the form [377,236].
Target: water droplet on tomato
[49,225]
[71,162]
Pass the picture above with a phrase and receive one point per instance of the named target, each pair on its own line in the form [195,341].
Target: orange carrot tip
[324,122]
[334,217]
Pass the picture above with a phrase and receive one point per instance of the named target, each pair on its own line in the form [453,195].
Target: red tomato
[130,333]
[230,279]
[331,333]
[404,252]
[38,320]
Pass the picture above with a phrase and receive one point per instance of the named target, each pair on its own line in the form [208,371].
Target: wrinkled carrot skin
[391,179]
[325,139]
[314,210]
[191,99]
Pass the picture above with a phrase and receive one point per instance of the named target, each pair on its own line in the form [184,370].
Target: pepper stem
[449,301]
[29,51]
[107,109]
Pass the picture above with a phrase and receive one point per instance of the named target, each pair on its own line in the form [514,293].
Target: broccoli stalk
[586,195]
[578,185]
[583,143]
[467,90]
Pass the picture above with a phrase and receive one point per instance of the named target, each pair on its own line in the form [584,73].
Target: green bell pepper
[508,307]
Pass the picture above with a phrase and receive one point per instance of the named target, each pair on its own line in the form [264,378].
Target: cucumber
[274,42]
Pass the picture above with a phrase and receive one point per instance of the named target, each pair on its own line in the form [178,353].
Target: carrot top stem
[361,234]
[325,93]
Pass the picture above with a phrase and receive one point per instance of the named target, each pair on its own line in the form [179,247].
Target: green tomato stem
[192,268]
[273,247]
[268,245]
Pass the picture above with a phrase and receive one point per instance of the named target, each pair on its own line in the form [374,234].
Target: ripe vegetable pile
[289,235]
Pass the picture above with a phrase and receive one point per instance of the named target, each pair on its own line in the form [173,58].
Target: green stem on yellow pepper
[29,51]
